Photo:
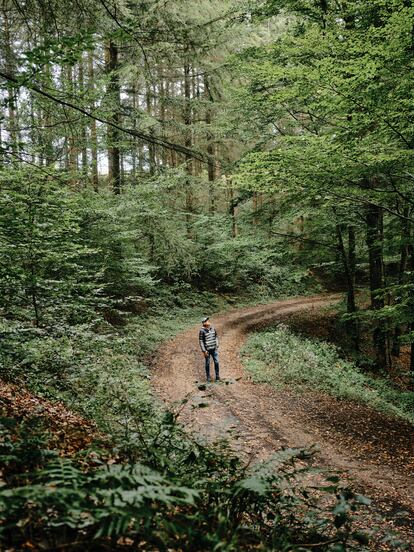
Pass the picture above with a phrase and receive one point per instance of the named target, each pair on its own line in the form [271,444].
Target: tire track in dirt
[259,420]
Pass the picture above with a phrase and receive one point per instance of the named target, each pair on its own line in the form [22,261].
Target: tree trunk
[1,146]
[84,137]
[187,116]
[374,238]
[233,211]
[162,115]
[134,126]
[210,146]
[411,252]
[72,149]
[412,355]
[114,103]
[83,133]
[352,267]
[92,126]
[151,147]
[12,118]
[405,239]
[349,264]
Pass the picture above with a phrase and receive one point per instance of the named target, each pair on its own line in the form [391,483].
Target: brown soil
[373,452]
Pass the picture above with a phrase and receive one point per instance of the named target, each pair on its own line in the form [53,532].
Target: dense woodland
[160,160]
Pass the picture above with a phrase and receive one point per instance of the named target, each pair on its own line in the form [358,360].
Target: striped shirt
[208,339]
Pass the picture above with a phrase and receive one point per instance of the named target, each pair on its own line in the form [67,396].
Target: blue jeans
[213,354]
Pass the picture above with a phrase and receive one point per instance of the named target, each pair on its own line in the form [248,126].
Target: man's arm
[217,339]
[201,341]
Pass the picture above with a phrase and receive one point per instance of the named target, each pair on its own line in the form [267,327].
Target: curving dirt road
[374,452]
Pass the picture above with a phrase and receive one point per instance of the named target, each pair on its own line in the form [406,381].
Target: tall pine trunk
[72,146]
[12,113]
[210,145]
[151,147]
[134,94]
[114,103]
[187,116]
[84,135]
[411,253]
[92,127]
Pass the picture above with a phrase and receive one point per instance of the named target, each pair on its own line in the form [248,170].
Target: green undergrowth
[98,368]
[165,491]
[279,357]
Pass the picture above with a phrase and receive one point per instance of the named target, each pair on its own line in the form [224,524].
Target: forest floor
[67,431]
[372,452]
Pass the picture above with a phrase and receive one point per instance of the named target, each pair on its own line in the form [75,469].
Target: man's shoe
[218,379]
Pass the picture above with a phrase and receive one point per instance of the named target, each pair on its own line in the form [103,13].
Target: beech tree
[332,96]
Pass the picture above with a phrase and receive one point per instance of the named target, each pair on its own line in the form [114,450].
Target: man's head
[206,322]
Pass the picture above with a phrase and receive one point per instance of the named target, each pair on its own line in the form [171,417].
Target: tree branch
[370,202]
[301,238]
[204,158]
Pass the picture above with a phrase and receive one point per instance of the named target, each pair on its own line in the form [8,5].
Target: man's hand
[205,353]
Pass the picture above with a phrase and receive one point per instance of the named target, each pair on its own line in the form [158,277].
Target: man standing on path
[209,346]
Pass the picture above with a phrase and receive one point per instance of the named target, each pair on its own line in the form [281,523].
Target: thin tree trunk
[411,252]
[405,238]
[84,137]
[189,206]
[12,119]
[210,146]
[233,210]
[171,93]
[151,147]
[33,137]
[374,237]
[134,126]
[162,115]
[72,149]
[114,96]
[412,355]
[47,134]
[349,264]
[92,126]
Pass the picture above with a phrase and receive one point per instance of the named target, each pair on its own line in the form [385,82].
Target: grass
[279,357]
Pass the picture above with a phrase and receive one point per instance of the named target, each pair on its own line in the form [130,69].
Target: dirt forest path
[372,451]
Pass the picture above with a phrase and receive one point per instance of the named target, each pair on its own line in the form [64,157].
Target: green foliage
[179,495]
[254,264]
[103,369]
[23,448]
[329,105]
[279,357]
[43,276]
